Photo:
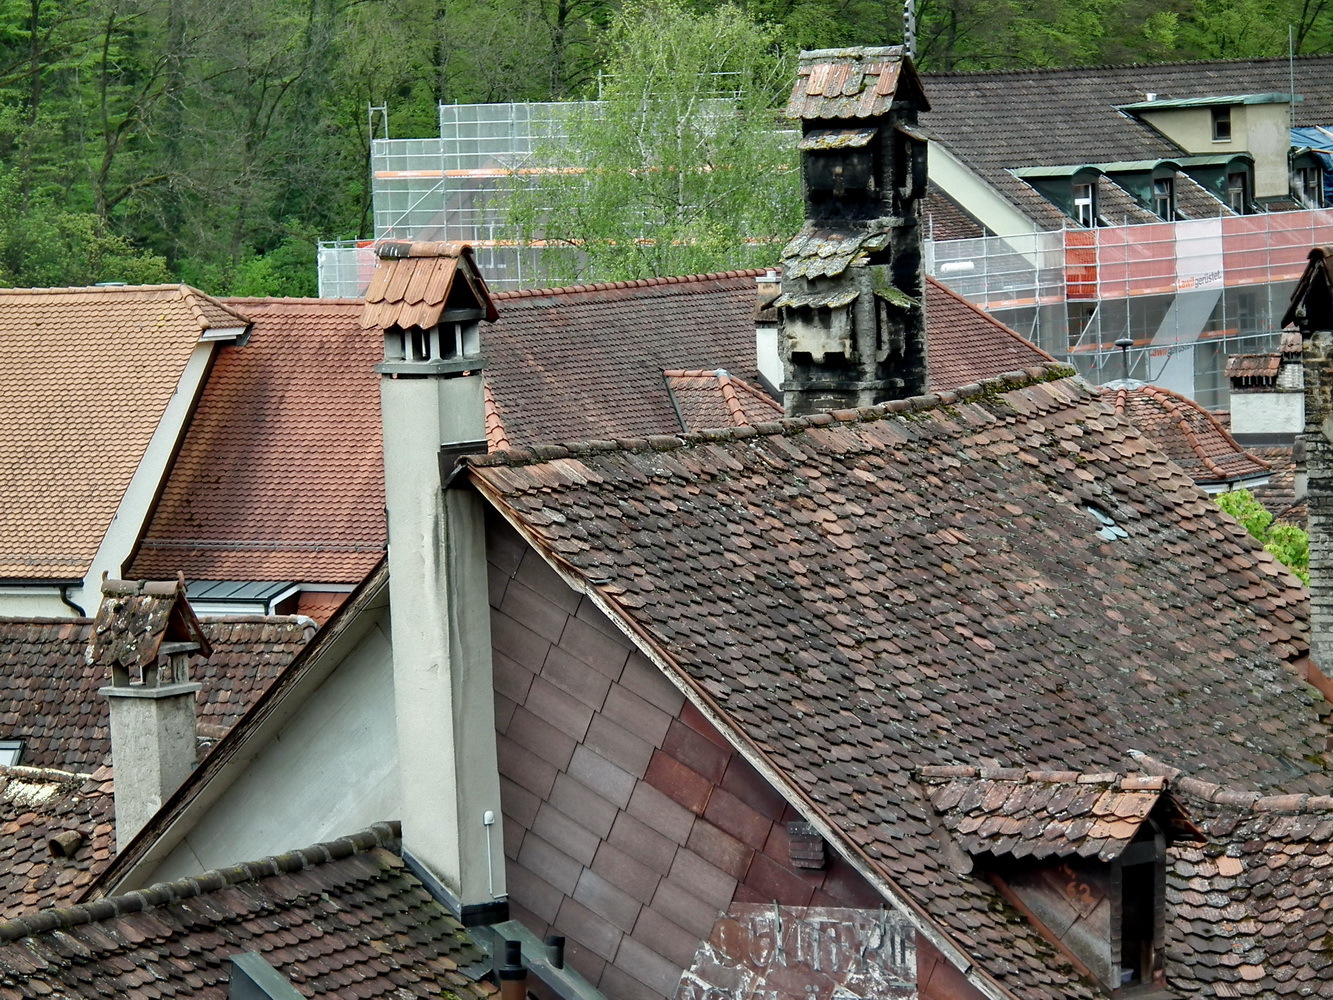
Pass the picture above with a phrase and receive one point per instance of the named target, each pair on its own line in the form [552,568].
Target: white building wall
[331,770]
[1267,412]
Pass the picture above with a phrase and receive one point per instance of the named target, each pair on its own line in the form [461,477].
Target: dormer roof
[416,282]
[854,83]
[136,618]
[1051,814]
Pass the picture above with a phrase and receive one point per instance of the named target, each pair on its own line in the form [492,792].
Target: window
[1221,124]
[1164,197]
[1310,186]
[11,752]
[1085,204]
[1238,191]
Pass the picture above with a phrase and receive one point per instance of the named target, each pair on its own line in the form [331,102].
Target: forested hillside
[213,141]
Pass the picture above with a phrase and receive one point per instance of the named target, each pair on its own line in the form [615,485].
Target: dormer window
[1085,203]
[1307,183]
[1081,856]
[1238,191]
[1221,116]
[1164,194]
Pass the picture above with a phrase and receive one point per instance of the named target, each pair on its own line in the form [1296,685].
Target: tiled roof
[344,919]
[1248,911]
[1117,206]
[48,693]
[1196,202]
[133,621]
[85,377]
[852,83]
[279,476]
[1250,369]
[587,361]
[1278,495]
[1187,433]
[1057,117]
[942,218]
[966,345]
[38,807]
[719,399]
[1263,372]
[859,594]
[413,282]
[1048,814]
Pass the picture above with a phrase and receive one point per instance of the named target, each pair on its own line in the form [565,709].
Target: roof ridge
[43,773]
[606,286]
[305,300]
[1172,401]
[1019,379]
[1126,781]
[1037,70]
[379,835]
[191,296]
[1225,795]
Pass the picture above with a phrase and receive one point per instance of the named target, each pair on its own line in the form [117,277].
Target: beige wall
[1258,129]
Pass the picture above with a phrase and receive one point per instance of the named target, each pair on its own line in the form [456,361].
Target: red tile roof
[37,806]
[414,282]
[279,476]
[859,594]
[964,344]
[852,83]
[344,919]
[719,399]
[1188,434]
[48,693]
[85,377]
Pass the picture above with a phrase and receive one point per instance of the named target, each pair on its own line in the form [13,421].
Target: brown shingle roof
[719,399]
[414,282]
[37,805]
[85,377]
[280,476]
[1188,434]
[344,919]
[1048,814]
[48,693]
[852,83]
[863,593]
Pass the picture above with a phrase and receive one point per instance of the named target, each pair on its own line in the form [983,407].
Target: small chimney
[143,637]
[1311,311]
[851,317]
[428,300]
[1268,394]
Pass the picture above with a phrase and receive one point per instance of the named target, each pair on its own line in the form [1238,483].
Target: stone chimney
[852,314]
[1268,394]
[1311,311]
[144,636]
[428,301]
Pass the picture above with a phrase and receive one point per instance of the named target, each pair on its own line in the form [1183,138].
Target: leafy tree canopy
[678,168]
[1289,544]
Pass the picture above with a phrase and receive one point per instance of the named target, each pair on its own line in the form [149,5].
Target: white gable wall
[331,769]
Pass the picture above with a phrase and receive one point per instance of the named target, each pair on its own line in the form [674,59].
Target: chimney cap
[414,283]
[137,619]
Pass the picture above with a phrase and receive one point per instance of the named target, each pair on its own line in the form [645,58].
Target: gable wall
[630,825]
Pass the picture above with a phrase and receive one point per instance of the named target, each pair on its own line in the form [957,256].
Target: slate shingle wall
[630,825]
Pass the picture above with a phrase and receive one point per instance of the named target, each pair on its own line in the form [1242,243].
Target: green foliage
[678,168]
[1288,544]
[45,247]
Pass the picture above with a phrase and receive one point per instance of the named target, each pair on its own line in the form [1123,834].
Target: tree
[1288,544]
[679,167]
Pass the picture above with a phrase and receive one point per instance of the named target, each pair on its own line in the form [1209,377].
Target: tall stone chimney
[143,637]
[1311,311]
[852,315]
[428,300]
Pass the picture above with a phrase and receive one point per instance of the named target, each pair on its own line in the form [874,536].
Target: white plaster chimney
[145,634]
[428,300]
